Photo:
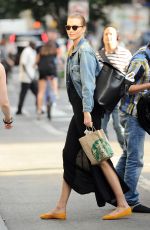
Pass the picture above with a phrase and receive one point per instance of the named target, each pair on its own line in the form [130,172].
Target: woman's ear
[84,29]
[118,37]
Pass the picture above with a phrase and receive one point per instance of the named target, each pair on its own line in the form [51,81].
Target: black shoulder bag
[111,85]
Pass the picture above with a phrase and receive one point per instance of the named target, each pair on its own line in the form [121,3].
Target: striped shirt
[139,70]
[120,58]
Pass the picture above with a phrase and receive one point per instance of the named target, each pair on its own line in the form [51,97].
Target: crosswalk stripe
[48,127]
[144,183]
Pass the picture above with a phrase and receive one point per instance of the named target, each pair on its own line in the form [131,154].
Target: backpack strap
[103,56]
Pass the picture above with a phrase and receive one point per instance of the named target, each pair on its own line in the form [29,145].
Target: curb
[2,224]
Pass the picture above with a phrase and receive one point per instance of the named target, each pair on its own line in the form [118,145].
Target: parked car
[21,40]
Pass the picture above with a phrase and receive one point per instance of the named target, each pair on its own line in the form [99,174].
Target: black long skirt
[78,172]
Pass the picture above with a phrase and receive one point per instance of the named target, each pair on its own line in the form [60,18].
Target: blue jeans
[130,163]
[116,124]
[49,94]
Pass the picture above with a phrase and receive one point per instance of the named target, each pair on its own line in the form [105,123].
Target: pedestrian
[119,57]
[4,101]
[131,162]
[47,66]
[27,65]
[79,174]
[6,57]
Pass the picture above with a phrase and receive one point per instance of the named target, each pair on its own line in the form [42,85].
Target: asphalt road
[31,172]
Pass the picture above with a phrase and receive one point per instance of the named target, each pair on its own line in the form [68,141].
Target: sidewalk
[31,177]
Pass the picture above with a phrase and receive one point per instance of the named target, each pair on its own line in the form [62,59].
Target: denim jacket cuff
[87,109]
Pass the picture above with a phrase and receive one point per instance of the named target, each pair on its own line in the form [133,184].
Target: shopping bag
[96,146]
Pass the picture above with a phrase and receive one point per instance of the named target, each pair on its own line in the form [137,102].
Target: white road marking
[144,183]
[48,127]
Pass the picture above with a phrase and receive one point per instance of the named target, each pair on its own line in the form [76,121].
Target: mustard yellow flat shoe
[47,216]
[114,216]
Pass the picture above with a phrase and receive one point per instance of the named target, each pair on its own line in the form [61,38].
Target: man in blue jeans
[131,162]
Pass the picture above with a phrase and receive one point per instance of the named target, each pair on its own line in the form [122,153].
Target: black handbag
[111,86]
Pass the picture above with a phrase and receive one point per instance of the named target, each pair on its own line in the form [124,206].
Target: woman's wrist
[8,121]
[86,112]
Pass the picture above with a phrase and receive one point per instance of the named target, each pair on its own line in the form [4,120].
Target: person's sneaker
[140,208]
[18,113]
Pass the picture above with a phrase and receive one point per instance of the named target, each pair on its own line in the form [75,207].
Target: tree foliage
[57,8]
[12,8]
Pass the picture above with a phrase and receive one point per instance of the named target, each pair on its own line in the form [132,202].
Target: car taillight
[12,38]
[44,37]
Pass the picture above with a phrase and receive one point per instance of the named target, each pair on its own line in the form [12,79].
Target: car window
[27,38]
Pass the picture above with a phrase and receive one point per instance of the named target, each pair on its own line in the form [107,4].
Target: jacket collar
[142,50]
[148,52]
[78,46]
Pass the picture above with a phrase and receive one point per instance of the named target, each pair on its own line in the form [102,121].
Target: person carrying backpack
[130,163]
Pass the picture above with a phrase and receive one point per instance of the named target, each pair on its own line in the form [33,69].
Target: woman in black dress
[79,174]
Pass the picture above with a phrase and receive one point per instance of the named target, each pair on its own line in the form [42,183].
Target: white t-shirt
[28,59]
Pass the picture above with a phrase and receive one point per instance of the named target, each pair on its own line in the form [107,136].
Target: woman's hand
[8,123]
[8,126]
[88,119]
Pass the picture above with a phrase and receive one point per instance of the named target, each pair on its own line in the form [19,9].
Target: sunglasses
[73,27]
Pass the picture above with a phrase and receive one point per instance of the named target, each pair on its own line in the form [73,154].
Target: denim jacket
[82,68]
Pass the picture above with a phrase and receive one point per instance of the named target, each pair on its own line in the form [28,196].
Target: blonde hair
[79,16]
